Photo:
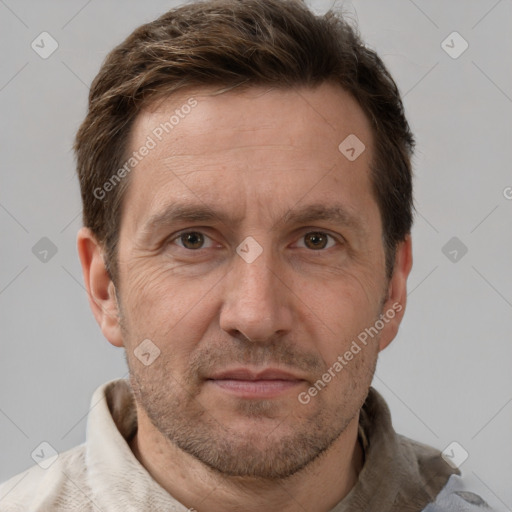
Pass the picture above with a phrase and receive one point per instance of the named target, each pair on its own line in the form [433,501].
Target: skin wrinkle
[292,308]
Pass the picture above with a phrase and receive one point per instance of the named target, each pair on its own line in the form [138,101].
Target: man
[246,184]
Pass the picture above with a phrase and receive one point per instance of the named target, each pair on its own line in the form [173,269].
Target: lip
[247,383]
[247,374]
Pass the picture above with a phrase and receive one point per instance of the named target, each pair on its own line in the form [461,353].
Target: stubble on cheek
[169,391]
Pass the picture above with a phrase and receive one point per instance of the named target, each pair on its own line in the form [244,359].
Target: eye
[193,240]
[317,240]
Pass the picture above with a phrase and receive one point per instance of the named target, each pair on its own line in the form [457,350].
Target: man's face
[263,164]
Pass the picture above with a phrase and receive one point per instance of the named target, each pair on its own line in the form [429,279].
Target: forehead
[233,116]
[263,148]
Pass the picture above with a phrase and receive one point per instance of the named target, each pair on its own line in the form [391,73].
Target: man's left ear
[394,307]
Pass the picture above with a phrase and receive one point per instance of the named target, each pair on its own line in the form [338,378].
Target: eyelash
[178,236]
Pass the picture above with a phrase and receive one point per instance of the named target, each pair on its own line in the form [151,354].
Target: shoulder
[442,480]
[455,497]
[56,487]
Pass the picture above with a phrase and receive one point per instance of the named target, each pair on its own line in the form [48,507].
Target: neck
[319,486]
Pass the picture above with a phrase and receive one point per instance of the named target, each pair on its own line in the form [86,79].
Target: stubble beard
[271,449]
[264,453]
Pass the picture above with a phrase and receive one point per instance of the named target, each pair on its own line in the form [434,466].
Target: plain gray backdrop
[447,376]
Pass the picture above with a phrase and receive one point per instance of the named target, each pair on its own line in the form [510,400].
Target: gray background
[447,375]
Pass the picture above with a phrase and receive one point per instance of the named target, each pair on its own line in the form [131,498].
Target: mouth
[247,383]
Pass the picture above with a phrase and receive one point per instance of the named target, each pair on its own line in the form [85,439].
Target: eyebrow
[179,213]
[337,214]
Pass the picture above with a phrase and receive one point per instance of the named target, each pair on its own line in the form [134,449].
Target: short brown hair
[232,43]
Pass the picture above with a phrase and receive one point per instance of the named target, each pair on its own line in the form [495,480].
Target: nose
[257,300]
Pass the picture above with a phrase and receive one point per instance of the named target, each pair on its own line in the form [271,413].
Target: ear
[394,307]
[100,287]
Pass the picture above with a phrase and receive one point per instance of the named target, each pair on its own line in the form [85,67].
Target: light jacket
[103,475]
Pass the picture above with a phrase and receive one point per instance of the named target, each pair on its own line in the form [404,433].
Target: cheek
[341,311]
[343,297]
[161,307]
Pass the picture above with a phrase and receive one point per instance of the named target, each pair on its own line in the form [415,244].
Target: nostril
[248,338]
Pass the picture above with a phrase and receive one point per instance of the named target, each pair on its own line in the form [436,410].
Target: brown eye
[192,240]
[316,240]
